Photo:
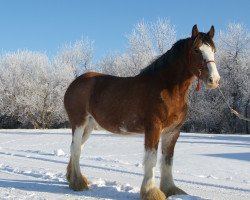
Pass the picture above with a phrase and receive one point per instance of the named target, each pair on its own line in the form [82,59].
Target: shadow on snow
[245,156]
[133,173]
[109,192]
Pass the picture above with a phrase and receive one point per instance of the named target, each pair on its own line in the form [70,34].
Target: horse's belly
[114,125]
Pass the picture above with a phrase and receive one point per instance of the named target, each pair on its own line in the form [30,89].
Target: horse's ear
[211,32]
[195,31]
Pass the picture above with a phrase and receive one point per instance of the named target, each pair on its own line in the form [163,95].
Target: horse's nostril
[210,80]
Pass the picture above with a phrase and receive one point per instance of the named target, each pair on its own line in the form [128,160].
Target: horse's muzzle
[213,83]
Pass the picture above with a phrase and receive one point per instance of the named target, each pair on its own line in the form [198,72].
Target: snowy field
[33,165]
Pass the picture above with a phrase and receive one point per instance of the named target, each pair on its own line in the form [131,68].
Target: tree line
[32,85]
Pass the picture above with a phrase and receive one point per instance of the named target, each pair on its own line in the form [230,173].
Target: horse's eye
[197,51]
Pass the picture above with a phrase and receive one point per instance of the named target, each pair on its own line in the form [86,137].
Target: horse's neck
[176,75]
[171,70]
[176,86]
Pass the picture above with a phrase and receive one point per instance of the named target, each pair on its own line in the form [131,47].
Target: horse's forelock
[203,38]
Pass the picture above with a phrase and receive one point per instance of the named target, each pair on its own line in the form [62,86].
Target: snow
[33,166]
[59,152]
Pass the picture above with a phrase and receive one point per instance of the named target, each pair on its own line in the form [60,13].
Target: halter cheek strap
[200,68]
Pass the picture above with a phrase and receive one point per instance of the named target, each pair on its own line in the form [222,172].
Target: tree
[140,48]
[233,56]
[115,64]
[164,35]
[32,86]
[25,87]
[144,43]
[78,56]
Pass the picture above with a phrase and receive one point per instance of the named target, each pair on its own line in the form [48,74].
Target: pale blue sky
[45,25]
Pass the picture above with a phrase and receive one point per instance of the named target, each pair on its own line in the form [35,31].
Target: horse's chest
[174,110]
[174,117]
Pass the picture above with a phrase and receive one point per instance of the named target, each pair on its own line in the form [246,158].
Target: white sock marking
[150,160]
[76,148]
[166,167]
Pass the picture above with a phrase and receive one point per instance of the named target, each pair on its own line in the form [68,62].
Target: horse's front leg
[167,183]
[149,191]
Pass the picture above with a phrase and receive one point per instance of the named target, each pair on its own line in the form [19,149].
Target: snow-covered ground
[33,163]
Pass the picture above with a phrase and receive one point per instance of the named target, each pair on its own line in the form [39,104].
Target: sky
[47,25]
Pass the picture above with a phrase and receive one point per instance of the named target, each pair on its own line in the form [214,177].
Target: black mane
[176,52]
[165,59]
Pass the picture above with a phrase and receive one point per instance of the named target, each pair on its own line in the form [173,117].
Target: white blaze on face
[208,55]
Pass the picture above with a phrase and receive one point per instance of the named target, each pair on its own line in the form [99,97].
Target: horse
[153,102]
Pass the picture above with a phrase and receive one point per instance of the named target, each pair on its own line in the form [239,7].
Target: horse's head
[202,57]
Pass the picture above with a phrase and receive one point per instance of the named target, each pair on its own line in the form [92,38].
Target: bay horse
[154,102]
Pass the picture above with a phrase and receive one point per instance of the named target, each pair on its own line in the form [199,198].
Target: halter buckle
[199,72]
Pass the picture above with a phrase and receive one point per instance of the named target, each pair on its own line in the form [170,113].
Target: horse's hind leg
[74,176]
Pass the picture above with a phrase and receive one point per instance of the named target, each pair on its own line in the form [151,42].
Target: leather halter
[200,68]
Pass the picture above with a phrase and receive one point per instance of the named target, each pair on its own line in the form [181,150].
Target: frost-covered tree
[119,65]
[140,48]
[164,35]
[233,59]
[144,43]
[32,86]
[78,56]
[26,88]
[205,113]
[115,64]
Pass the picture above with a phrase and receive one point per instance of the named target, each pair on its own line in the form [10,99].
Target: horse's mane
[165,59]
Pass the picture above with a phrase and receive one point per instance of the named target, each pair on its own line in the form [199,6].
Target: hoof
[174,191]
[153,194]
[79,184]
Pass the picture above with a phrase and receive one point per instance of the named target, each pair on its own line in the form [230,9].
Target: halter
[200,68]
